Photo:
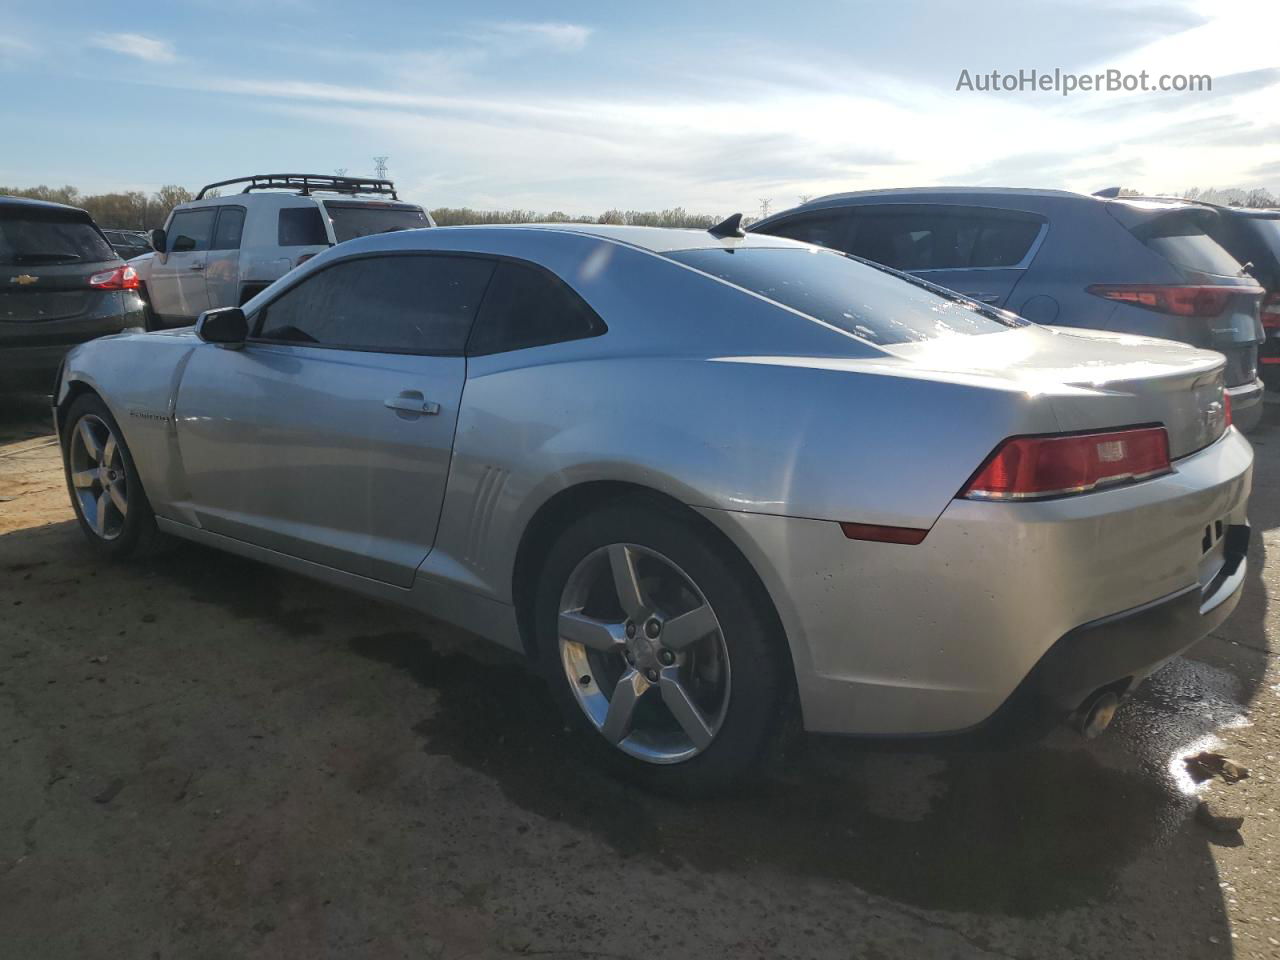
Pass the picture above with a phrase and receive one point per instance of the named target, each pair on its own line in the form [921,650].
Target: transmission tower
[380,167]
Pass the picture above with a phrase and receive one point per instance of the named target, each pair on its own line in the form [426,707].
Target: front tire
[655,636]
[106,493]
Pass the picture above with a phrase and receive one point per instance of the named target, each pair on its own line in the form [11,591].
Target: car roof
[19,203]
[912,192]
[653,239]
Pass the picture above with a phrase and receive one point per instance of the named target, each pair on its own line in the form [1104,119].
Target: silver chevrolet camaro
[700,479]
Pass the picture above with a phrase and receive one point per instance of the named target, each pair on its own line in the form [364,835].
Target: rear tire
[695,658]
[102,481]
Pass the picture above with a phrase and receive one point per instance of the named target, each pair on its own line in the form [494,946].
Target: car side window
[826,229]
[389,304]
[226,235]
[527,306]
[301,227]
[191,230]
[942,240]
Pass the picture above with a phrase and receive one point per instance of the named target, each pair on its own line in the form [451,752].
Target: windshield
[874,303]
[50,240]
[353,219]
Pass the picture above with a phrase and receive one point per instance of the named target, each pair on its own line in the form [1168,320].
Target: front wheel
[107,495]
[652,635]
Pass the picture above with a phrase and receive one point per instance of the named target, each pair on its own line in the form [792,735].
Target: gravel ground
[203,757]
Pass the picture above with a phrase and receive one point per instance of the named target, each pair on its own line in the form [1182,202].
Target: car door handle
[196,266]
[412,401]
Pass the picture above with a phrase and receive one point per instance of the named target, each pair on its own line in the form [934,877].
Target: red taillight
[1226,410]
[121,278]
[303,259]
[873,531]
[1184,301]
[1024,468]
[1271,310]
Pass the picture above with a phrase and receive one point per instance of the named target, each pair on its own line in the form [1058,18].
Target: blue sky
[583,106]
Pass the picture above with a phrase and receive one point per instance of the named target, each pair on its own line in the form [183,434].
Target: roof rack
[304,183]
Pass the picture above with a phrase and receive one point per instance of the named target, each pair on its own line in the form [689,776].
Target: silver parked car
[698,478]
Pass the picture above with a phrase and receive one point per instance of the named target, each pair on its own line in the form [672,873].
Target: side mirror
[226,326]
[158,240]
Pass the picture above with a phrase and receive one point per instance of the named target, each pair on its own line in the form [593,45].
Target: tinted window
[826,230]
[301,227]
[529,307]
[191,230]
[395,304]
[35,238]
[1181,239]
[932,240]
[230,226]
[873,304]
[351,220]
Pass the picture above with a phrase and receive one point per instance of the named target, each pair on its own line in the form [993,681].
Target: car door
[980,253]
[222,268]
[177,286]
[328,436]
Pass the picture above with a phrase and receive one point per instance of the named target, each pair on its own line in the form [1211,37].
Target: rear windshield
[1181,239]
[351,220]
[876,304]
[33,240]
[1269,230]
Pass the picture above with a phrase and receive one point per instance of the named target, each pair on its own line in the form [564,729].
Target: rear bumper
[1051,597]
[1246,404]
[31,351]
[1121,650]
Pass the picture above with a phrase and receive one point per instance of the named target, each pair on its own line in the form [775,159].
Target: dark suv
[60,284]
[1142,266]
[1253,238]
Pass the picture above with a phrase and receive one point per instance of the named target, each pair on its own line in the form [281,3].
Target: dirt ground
[201,757]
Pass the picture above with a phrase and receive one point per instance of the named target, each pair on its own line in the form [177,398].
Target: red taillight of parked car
[121,278]
[1226,410]
[1028,468]
[1271,311]
[1183,301]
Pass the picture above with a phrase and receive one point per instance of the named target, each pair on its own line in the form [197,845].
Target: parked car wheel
[652,636]
[105,490]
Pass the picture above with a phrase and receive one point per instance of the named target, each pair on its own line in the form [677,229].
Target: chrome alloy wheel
[644,654]
[98,477]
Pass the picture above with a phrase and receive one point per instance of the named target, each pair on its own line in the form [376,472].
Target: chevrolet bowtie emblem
[23,279]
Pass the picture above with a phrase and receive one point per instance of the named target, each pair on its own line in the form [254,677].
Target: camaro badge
[24,279]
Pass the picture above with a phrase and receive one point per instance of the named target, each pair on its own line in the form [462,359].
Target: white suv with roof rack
[219,251]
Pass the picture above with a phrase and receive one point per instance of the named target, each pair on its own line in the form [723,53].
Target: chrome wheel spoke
[622,561]
[596,634]
[682,707]
[109,450]
[100,514]
[118,498]
[84,478]
[622,705]
[91,445]
[679,632]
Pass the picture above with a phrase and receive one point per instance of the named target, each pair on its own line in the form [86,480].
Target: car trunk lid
[47,255]
[1096,380]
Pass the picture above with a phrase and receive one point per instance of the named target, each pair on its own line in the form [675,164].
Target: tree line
[135,210]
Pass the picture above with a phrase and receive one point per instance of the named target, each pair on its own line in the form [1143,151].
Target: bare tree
[806,197]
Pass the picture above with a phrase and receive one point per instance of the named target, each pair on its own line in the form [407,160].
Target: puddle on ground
[1015,832]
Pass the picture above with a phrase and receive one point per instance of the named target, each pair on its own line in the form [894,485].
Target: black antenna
[731,227]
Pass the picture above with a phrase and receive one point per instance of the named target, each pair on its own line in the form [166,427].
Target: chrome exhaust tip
[1096,714]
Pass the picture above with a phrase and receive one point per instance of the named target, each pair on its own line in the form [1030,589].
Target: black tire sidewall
[139,522]
[759,663]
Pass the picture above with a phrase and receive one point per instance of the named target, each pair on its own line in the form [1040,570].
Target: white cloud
[136,45]
[562,37]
